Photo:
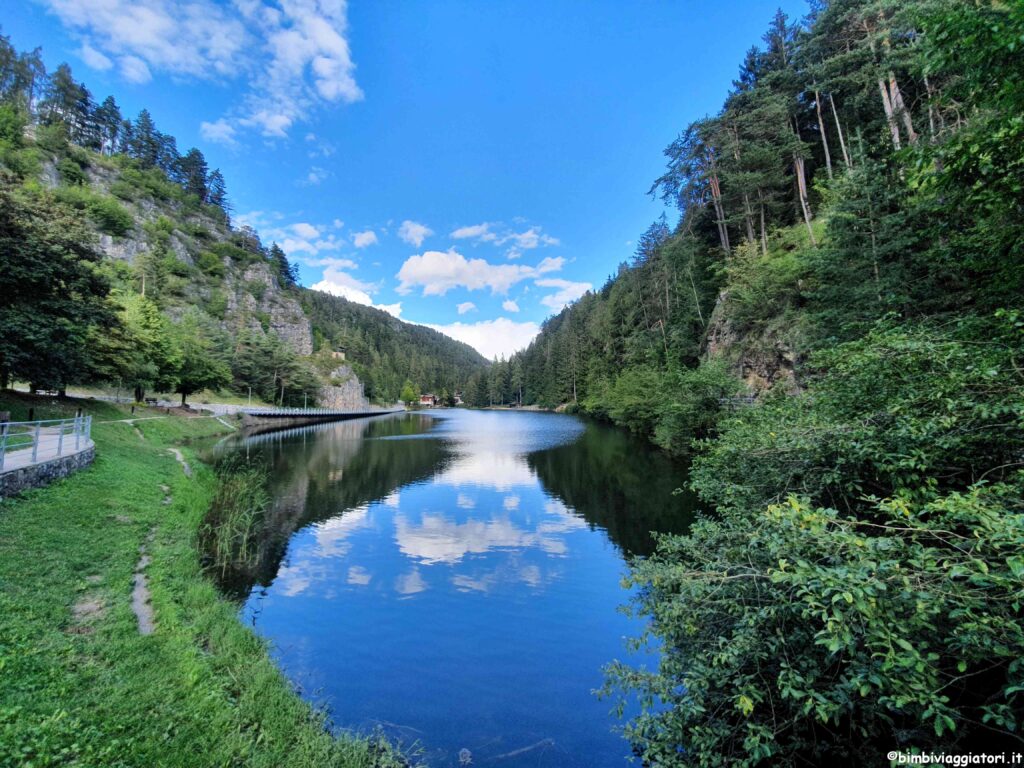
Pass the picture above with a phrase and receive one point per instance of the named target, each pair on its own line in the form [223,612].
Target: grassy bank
[78,684]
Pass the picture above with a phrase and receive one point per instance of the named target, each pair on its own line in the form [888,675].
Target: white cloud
[337,223]
[466,306]
[567,291]
[531,238]
[304,229]
[315,176]
[94,58]
[414,233]
[339,283]
[294,55]
[475,232]
[364,239]
[440,271]
[134,69]
[220,131]
[509,306]
[518,241]
[492,338]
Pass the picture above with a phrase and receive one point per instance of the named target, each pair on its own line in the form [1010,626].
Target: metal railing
[369,411]
[29,442]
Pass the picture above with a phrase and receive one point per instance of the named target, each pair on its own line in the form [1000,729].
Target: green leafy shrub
[71,173]
[800,636]
[210,263]
[902,412]
[109,215]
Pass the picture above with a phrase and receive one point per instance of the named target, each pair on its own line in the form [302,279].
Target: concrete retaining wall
[36,475]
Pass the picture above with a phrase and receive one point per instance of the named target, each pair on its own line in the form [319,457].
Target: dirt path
[181,460]
[140,593]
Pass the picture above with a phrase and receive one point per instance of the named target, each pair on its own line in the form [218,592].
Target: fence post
[60,438]
[88,427]
[35,442]
[3,444]
[78,431]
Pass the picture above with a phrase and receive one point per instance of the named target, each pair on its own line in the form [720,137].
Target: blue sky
[467,165]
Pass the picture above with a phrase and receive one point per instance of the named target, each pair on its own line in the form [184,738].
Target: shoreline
[82,685]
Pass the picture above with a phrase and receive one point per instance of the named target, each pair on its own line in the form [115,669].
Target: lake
[453,577]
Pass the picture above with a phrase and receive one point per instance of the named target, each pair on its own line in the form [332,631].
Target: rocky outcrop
[257,302]
[344,392]
[762,361]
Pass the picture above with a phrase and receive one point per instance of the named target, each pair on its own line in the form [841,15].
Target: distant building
[458,398]
[338,355]
[428,399]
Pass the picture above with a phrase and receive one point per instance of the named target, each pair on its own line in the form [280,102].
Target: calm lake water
[453,577]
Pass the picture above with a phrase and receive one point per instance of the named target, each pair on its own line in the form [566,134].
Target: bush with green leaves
[110,217]
[862,585]
[802,636]
[672,408]
[903,412]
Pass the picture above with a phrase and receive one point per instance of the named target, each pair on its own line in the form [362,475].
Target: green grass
[201,690]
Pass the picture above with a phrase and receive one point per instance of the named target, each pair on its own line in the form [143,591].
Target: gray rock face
[345,391]
[258,303]
[761,362]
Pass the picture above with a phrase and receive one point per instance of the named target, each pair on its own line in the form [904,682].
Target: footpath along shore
[81,684]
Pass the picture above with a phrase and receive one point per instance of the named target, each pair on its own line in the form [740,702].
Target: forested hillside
[849,249]
[119,266]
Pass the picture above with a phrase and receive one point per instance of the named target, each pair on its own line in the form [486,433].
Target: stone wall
[37,475]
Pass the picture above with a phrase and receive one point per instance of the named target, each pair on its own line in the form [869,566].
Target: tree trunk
[716,199]
[748,215]
[890,118]
[901,109]
[764,229]
[824,133]
[839,130]
[183,403]
[140,393]
[801,181]
[801,185]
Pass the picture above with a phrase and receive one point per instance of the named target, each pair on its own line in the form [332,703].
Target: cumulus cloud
[509,306]
[414,233]
[339,283]
[466,306]
[364,239]
[305,229]
[528,240]
[437,272]
[134,69]
[219,131]
[294,55]
[518,242]
[492,338]
[94,58]
[567,291]
[480,232]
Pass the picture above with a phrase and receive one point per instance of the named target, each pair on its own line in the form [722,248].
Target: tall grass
[229,536]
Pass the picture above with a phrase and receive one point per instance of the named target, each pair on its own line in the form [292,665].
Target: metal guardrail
[325,412]
[23,443]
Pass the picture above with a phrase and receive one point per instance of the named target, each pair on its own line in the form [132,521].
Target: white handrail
[23,443]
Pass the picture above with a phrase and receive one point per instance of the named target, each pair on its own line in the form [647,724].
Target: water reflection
[456,575]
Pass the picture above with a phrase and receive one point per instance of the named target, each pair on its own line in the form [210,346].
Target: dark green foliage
[110,217]
[859,586]
[200,344]
[53,291]
[800,636]
[71,173]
